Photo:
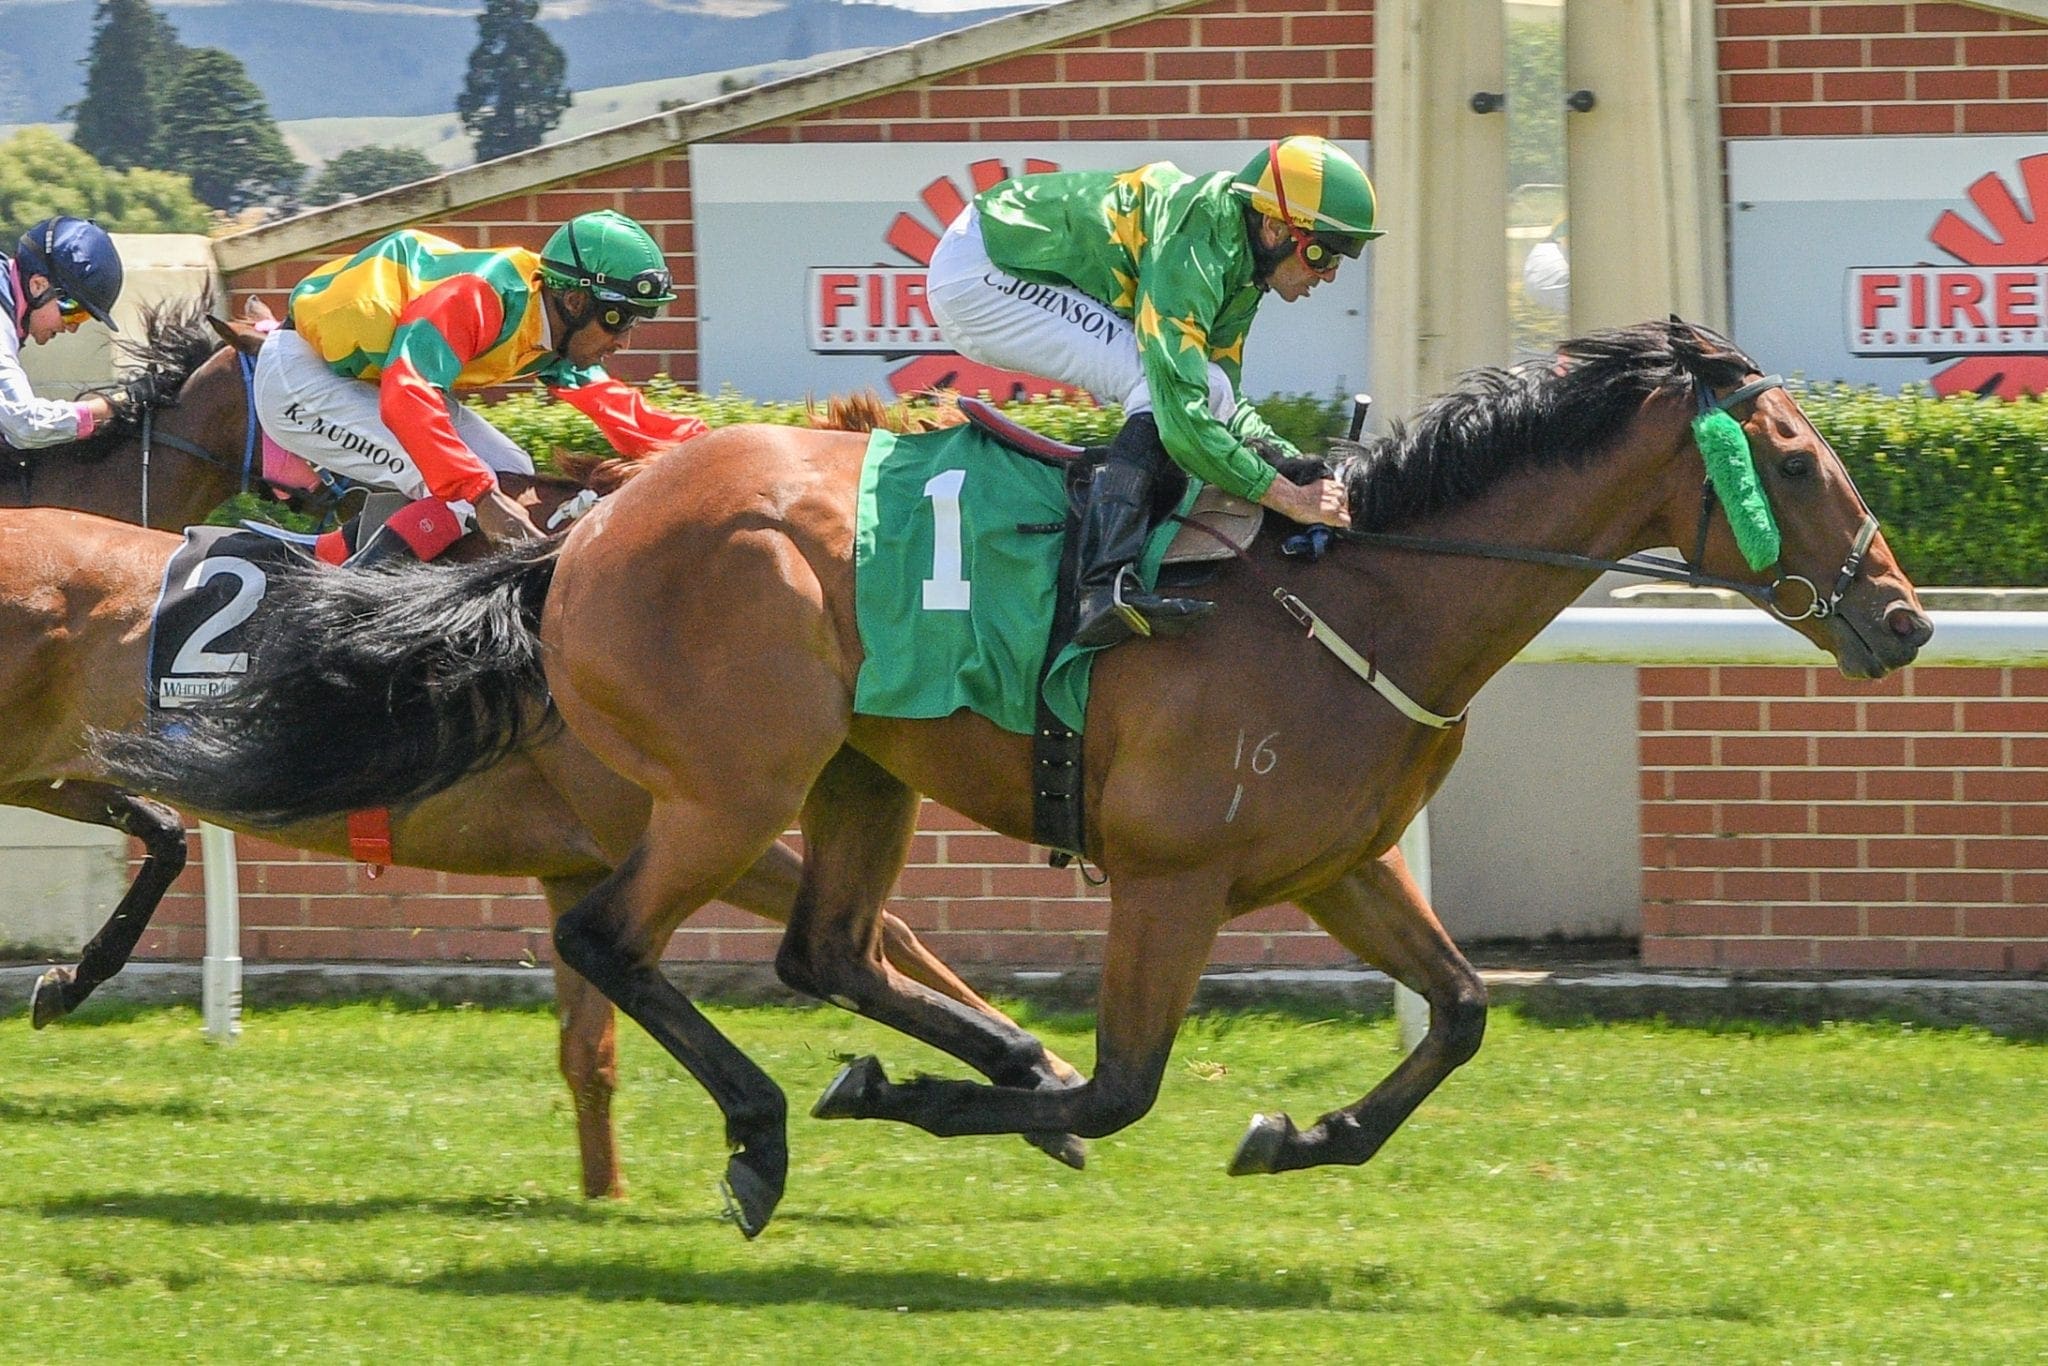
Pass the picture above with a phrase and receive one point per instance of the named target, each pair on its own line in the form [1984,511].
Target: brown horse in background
[698,633]
[196,452]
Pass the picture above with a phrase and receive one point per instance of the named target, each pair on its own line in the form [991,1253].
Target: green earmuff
[1733,472]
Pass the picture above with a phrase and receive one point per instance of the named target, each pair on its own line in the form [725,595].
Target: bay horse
[698,633]
[198,448]
[76,595]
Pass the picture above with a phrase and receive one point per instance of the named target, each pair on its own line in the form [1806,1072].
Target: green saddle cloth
[954,600]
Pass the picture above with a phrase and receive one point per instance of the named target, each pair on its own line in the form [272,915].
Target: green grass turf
[376,1183]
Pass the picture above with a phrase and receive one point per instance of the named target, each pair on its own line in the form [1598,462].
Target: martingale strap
[1323,634]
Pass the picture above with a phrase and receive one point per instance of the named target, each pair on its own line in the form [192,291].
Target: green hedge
[542,426]
[1960,484]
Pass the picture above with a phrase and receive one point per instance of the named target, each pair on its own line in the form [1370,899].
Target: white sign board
[1893,260]
[810,268]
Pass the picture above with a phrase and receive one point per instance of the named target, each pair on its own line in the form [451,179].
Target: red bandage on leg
[369,837]
[428,526]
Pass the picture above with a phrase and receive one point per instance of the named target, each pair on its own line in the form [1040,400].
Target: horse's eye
[1796,466]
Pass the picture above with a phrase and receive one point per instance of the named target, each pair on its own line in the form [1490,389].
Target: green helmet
[613,257]
[1324,191]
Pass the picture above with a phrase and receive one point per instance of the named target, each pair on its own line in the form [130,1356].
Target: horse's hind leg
[769,890]
[589,1054]
[614,937]
[1160,934]
[857,824]
[62,990]
[1379,914]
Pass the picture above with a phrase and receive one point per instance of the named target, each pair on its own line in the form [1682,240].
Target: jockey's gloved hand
[149,388]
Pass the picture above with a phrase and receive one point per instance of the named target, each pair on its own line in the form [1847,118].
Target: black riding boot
[1113,606]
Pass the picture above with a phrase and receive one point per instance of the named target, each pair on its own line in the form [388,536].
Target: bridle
[1660,567]
[250,436]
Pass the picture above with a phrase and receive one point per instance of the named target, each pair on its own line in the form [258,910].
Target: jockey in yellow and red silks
[362,377]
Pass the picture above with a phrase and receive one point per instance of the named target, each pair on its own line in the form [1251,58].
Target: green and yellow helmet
[614,258]
[1322,189]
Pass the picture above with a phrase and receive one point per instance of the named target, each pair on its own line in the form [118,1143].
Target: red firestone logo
[1988,315]
[881,310]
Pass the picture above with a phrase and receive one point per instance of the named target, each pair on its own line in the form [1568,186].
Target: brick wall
[975,897]
[1846,67]
[1795,819]
[1227,70]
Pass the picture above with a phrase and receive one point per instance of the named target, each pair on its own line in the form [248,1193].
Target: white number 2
[946,590]
[193,656]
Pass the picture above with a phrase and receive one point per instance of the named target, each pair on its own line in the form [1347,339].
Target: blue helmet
[78,259]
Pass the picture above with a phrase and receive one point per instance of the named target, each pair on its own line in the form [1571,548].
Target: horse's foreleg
[1159,941]
[614,937]
[769,890]
[1379,914]
[857,824]
[62,990]
[589,1055]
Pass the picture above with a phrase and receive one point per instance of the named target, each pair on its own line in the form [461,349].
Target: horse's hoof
[750,1196]
[1259,1150]
[46,1000]
[1068,1150]
[846,1097]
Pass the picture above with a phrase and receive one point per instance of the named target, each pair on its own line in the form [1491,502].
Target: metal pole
[1411,1012]
[221,972]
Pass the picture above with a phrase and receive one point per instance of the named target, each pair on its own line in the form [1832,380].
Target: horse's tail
[365,688]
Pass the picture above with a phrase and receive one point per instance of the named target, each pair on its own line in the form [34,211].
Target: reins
[1659,567]
[1642,565]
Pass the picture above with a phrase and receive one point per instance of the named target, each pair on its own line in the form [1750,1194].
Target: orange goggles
[72,311]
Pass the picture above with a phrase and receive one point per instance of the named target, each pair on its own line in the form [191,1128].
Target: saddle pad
[954,578]
[213,584]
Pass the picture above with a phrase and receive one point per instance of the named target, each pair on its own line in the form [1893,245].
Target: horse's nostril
[1909,626]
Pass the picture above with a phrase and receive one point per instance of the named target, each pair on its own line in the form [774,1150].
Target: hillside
[407,56]
[440,136]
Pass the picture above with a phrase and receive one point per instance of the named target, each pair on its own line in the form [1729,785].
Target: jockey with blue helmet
[64,273]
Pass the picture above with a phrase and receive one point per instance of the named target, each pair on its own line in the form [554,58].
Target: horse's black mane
[174,342]
[1498,422]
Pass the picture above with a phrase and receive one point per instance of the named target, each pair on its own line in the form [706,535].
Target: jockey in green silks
[1140,288]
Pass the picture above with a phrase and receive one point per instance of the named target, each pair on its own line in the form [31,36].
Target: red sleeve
[624,417]
[439,333]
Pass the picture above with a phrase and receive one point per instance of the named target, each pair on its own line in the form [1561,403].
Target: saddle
[1218,526]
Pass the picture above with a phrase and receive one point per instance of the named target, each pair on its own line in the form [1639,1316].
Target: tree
[41,175]
[516,88]
[366,170]
[215,127]
[135,52]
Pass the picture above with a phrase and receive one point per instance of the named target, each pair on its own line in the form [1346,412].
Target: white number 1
[945,590]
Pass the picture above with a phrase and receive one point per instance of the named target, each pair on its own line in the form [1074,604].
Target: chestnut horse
[57,570]
[698,633]
[76,594]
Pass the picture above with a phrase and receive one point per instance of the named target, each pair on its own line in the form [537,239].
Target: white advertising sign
[1893,260]
[811,257]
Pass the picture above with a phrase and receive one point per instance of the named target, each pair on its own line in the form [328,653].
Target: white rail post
[220,989]
[1411,1011]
